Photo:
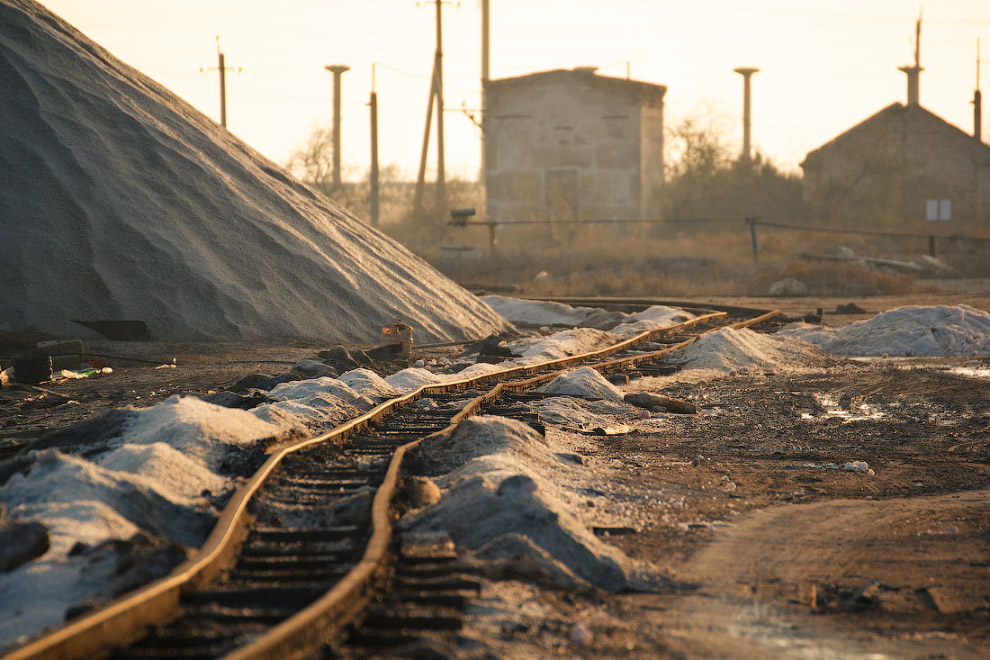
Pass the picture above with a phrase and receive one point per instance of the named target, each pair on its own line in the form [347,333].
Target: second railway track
[304,553]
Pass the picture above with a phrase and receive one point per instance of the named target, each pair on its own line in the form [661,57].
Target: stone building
[901,165]
[570,144]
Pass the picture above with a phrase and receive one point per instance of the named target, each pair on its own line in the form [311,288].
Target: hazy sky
[825,66]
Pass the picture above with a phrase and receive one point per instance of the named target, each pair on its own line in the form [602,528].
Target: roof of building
[582,73]
[980,150]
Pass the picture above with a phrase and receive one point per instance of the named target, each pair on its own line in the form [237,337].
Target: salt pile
[538,312]
[158,475]
[585,383]
[940,331]
[729,350]
[122,201]
[504,496]
[653,318]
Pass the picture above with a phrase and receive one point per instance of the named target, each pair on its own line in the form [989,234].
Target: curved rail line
[129,617]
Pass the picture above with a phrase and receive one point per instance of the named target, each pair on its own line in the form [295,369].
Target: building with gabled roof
[570,144]
[901,165]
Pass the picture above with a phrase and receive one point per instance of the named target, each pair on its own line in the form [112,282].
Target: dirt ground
[798,557]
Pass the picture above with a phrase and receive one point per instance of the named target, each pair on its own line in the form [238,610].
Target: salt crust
[479,459]
[939,331]
[123,201]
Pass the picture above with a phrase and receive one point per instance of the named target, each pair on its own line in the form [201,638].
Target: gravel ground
[770,547]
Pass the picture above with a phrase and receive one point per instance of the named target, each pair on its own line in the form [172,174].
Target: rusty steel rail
[128,617]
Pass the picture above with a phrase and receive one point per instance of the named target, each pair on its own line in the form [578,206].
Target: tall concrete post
[746,73]
[336,70]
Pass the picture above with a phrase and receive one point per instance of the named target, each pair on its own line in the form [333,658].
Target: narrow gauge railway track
[301,547]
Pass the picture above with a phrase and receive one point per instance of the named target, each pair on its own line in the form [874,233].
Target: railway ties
[318,569]
[430,587]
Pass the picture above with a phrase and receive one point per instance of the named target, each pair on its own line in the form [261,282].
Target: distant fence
[752,222]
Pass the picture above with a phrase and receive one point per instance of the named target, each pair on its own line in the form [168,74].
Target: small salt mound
[201,430]
[562,344]
[56,478]
[502,484]
[165,470]
[35,595]
[367,383]
[412,378]
[315,412]
[480,369]
[729,349]
[585,383]
[537,312]
[940,331]
[565,411]
[656,317]
[321,387]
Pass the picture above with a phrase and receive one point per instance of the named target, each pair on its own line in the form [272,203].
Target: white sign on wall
[938,209]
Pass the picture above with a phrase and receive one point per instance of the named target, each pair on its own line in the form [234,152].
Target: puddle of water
[856,413]
[979,373]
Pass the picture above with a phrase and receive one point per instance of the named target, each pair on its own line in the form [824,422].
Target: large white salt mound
[200,430]
[729,349]
[121,201]
[940,331]
[584,382]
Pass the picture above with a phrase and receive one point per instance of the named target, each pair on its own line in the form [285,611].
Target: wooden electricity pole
[373,192]
[222,68]
[436,100]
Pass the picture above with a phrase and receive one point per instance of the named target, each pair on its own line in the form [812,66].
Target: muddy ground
[799,558]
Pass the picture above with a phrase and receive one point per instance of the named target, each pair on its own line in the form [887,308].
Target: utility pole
[222,68]
[485,77]
[746,73]
[337,70]
[978,100]
[436,98]
[373,192]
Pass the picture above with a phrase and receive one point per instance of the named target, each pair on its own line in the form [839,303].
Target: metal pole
[752,233]
[374,159]
[438,72]
[337,70]
[223,91]
[485,61]
[421,176]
